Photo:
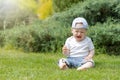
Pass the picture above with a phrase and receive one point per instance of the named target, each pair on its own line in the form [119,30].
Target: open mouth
[78,36]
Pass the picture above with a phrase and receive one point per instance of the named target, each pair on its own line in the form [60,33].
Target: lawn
[16,65]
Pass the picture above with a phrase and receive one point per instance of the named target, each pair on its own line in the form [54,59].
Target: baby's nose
[78,33]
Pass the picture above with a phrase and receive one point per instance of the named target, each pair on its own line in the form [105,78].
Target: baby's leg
[62,64]
[85,66]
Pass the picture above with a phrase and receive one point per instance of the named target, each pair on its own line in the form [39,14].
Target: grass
[15,65]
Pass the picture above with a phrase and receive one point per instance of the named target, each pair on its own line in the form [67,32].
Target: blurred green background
[44,25]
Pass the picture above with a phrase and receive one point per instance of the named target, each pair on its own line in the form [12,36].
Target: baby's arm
[65,50]
[90,55]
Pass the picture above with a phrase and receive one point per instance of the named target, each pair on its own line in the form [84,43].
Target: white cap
[80,20]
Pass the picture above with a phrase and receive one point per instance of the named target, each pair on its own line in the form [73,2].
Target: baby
[78,48]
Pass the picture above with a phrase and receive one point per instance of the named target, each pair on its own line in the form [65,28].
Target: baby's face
[79,34]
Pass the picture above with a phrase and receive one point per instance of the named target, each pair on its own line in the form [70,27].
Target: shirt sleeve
[67,43]
[90,43]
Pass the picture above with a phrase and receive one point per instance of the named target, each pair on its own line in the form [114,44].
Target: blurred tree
[15,12]
[28,4]
[61,5]
[45,9]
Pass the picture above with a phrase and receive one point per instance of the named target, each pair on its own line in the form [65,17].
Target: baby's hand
[65,50]
[87,58]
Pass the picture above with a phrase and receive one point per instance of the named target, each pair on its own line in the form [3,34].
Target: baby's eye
[82,32]
[76,31]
